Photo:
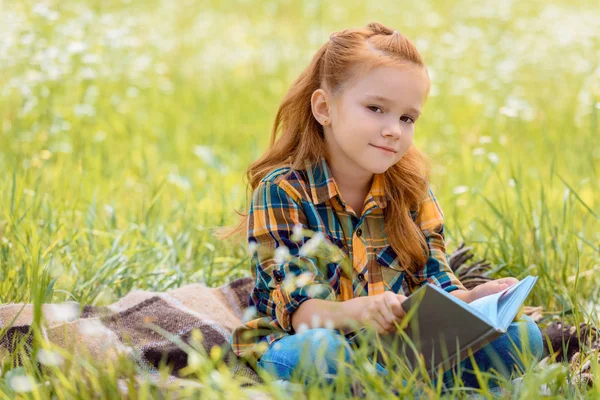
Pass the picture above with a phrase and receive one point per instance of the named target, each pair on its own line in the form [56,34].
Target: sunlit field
[126,128]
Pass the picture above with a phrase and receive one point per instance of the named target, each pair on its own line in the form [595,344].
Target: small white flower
[297,230]
[64,312]
[109,210]
[315,321]
[289,283]
[50,358]
[302,328]
[566,194]
[297,233]
[303,279]
[194,359]
[493,157]
[21,383]
[311,244]
[478,151]
[460,189]
[512,182]
[249,313]
[369,368]
[282,254]
[329,324]
[91,327]
[252,247]
[485,140]
[206,154]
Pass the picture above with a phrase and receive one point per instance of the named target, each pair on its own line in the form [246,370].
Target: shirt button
[359,232]
[361,277]
[278,276]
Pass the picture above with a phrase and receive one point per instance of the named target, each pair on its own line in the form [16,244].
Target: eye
[411,120]
[376,107]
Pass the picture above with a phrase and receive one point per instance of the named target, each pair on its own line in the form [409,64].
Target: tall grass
[125,129]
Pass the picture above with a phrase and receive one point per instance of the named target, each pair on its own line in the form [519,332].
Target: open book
[444,328]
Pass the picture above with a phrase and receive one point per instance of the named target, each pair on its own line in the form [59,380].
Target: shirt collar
[323,186]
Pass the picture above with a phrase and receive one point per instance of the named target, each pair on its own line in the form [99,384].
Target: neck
[350,182]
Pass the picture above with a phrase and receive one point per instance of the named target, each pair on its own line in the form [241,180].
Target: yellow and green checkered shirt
[310,199]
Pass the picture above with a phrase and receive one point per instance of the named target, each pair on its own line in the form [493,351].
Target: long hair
[301,139]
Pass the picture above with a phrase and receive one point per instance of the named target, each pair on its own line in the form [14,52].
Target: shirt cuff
[286,302]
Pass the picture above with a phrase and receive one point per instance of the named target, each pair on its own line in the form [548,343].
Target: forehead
[405,86]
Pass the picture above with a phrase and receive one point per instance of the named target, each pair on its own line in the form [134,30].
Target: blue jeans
[322,349]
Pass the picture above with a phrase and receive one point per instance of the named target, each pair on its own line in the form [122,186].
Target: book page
[501,307]
[488,306]
[513,298]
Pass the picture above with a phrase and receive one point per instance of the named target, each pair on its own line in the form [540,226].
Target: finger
[509,281]
[377,324]
[385,318]
[395,305]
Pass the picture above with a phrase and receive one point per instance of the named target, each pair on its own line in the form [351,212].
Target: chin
[378,169]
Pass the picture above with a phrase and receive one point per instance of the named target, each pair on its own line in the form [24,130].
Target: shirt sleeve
[281,283]
[437,269]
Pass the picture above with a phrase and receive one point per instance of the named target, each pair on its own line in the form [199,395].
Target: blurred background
[126,128]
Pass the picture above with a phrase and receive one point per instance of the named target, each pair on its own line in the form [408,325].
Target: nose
[392,130]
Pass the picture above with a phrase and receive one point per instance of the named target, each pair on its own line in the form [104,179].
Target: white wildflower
[50,358]
[194,359]
[478,151]
[460,189]
[297,232]
[289,283]
[312,244]
[509,112]
[252,247]
[512,182]
[64,312]
[77,47]
[82,110]
[329,324]
[91,327]
[303,279]
[315,321]
[110,210]
[21,383]
[249,313]
[205,153]
[485,140]
[282,254]
[493,157]
[180,181]
[303,327]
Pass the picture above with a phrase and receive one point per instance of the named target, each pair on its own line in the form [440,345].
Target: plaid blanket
[129,327]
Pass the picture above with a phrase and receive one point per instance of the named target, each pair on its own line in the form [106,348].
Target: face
[372,120]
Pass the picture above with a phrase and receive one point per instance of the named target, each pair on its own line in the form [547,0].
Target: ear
[319,102]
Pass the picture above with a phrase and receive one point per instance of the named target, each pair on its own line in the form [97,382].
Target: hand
[491,287]
[382,310]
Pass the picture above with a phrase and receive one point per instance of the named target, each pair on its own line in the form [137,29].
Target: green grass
[126,127]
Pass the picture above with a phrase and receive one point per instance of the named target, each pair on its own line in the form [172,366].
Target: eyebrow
[386,100]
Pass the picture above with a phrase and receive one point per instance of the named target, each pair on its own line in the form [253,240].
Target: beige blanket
[129,326]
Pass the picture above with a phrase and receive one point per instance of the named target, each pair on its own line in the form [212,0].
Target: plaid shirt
[311,199]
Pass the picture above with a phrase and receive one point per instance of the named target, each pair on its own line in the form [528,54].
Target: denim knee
[310,354]
[326,344]
[526,333]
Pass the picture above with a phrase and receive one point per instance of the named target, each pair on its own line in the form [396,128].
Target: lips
[385,148]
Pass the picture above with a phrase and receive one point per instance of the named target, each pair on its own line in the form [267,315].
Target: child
[345,166]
